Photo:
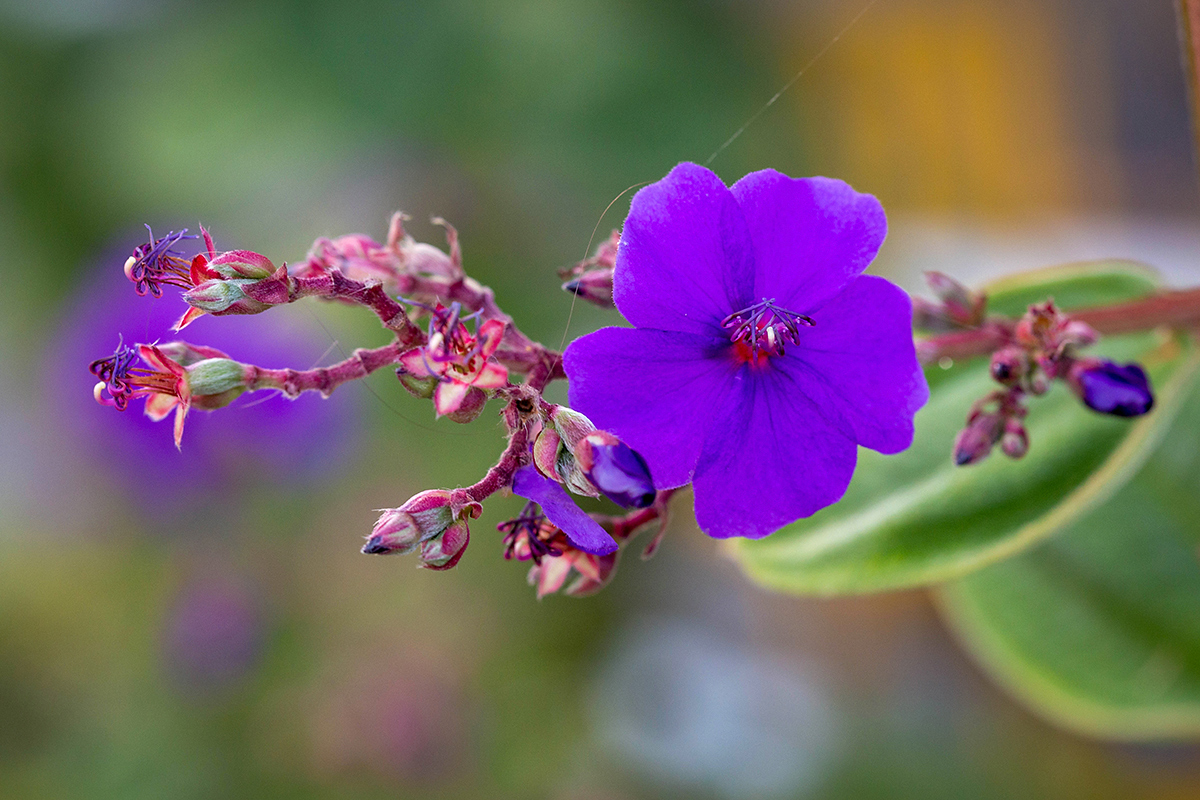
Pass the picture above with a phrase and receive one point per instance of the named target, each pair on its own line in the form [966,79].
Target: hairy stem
[361,363]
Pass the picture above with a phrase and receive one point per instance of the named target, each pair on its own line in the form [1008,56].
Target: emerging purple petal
[582,531]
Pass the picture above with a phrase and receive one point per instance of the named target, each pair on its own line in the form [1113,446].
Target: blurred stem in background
[1189,40]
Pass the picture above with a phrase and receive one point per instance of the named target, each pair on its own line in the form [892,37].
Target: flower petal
[686,259]
[770,458]
[811,236]
[448,396]
[859,359]
[656,390]
[583,531]
[159,405]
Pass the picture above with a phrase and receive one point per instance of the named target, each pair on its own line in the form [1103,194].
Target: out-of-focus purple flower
[261,439]
[213,634]
[761,357]
[1121,390]
[581,530]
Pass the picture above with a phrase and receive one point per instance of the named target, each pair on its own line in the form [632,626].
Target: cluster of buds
[177,376]
[572,451]
[435,521]
[1041,347]
[592,278]
[469,352]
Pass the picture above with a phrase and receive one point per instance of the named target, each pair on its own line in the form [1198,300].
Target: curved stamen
[765,327]
[530,535]
[122,381]
[154,264]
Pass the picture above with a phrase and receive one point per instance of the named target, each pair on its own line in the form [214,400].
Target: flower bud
[1121,390]
[570,425]
[975,441]
[218,296]
[242,264]
[443,552]
[595,286]
[421,518]
[1015,439]
[959,304]
[395,532]
[616,470]
[545,453]
[215,376]
[1009,365]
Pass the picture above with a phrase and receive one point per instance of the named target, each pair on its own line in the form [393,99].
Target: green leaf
[914,518]
[1098,629]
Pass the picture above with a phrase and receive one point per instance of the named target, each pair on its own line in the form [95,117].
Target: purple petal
[686,259]
[858,363]
[811,236]
[583,531]
[655,390]
[770,458]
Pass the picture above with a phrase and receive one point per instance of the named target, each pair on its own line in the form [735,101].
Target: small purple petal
[811,236]
[655,390]
[583,531]
[1123,391]
[858,362]
[770,458]
[686,259]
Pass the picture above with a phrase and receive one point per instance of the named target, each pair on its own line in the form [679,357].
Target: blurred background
[202,625]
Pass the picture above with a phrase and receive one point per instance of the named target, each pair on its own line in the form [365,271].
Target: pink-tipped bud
[975,441]
[443,552]
[395,532]
[1015,439]
[595,286]
[421,518]
[1009,365]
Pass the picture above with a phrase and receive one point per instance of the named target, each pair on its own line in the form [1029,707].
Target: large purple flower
[761,356]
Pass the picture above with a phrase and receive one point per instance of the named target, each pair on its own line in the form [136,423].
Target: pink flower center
[764,329]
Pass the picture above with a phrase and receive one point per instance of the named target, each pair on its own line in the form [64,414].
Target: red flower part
[164,384]
[155,264]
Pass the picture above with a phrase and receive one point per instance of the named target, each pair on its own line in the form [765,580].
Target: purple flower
[1122,390]
[582,531]
[617,471]
[761,356]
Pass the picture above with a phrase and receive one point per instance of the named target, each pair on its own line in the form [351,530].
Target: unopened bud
[975,441]
[618,471]
[545,453]
[242,264]
[395,532]
[421,518]
[595,286]
[570,425]
[219,296]
[1121,390]
[1015,439]
[1009,365]
[443,552]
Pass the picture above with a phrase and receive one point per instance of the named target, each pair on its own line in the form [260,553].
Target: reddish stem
[334,285]
[1177,308]
[500,476]
[361,363]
